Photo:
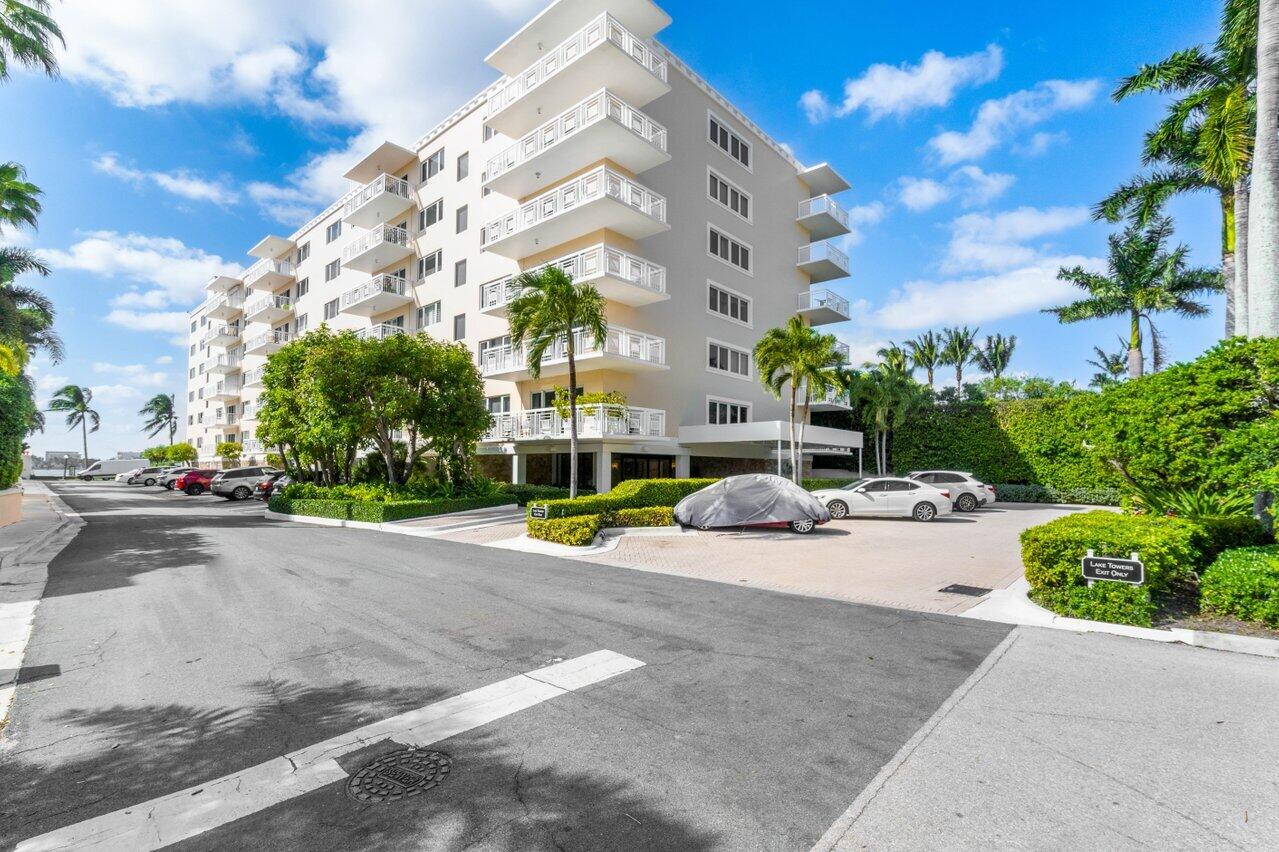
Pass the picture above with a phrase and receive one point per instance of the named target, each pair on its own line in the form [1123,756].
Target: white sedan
[127,475]
[886,496]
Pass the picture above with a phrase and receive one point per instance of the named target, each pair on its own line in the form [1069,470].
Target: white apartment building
[600,151]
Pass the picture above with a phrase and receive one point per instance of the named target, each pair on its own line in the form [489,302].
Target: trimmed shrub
[632,494]
[16,409]
[382,513]
[650,516]
[1011,493]
[1220,534]
[1244,582]
[1117,603]
[818,484]
[577,530]
[525,494]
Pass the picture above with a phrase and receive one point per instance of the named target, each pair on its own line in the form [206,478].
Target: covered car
[752,500]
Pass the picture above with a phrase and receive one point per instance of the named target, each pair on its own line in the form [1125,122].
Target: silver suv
[966,491]
[238,484]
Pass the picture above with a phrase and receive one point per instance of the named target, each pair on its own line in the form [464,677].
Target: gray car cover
[755,498]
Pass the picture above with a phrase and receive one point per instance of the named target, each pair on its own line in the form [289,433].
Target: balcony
[221,335]
[555,22]
[225,364]
[820,307]
[249,410]
[822,262]
[622,349]
[593,421]
[601,198]
[222,283]
[841,348]
[618,275]
[268,309]
[253,378]
[834,400]
[377,296]
[600,126]
[253,447]
[226,307]
[601,54]
[376,249]
[381,331]
[224,421]
[822,218]
[378,200]
[266,343]
[225,391]
[269,275]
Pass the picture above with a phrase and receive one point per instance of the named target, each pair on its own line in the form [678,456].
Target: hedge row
[525,494]
[381,513]
[632,494]
[1244,582]
[580,530]
[16,409]
[1011,493]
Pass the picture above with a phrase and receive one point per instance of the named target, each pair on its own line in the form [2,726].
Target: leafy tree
[16,409]
[160,415]
[926,354]
[551,308]
[1144,280]
[1111,366]
[229,452]
[795,355]
[156,455]
[27,34]
[959,346]
[75,400]
[894,358]
[19,199]
[993,357]
[884,398]
[26,314]
[182,454]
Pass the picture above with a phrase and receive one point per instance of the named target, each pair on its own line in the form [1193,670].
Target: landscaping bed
[383,512]
[634,503]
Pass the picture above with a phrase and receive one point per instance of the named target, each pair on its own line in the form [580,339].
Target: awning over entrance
[819,440]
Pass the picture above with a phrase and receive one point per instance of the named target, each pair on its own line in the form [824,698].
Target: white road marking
[195,810]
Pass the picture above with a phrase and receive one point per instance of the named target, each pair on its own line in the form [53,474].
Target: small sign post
[538,512]
[1131,570]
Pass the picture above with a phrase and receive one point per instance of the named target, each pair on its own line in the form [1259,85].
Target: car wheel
[87,478]
[966,503]
[148,482]
[803,527]
[195,490]
[924,511]
[241,493]
[838,509]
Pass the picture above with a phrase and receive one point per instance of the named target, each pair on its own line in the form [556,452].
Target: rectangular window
[729,195]
[464,165]
[723,411]
[729,250]
[192,348]
[332,270]
[428,315]
[190,396]
[459,326]
[193,325]
[725,302]
[190,419]
[199,442]
[459,273]
[499,404]
[433,165]
[461,218]
[488,133]
[428,216]
[299,324]
[304,287]
[192,373]
[330,309]
[728,359]
[728,141]
[430,264]
[304,251]
[333,231]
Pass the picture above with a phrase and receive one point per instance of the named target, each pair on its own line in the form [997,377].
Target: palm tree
[795,355]
[160,415]
[1111,366]
[27,33]
[925,353]
[1144,280]
[994,356]
[895,358]
[19,198]
[549,310]
[1263,206]
[959,346]
[26,314]
[884,399]
[74,400]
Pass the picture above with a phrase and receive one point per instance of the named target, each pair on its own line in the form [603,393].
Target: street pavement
[201,676]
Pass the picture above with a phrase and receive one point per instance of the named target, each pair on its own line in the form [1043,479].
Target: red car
[195,482]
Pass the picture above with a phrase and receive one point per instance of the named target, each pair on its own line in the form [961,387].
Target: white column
[603,470]
[519,469]
[683,463]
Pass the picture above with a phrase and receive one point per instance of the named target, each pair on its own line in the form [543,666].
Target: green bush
[16,408]
[577,530]
[374,512]
[649,516]
[1011,493]
[1220,534]
[632,494]
[1244,582]
[524,494]
[1117,603]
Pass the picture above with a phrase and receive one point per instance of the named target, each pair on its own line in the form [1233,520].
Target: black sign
[1111,568]
[538,512]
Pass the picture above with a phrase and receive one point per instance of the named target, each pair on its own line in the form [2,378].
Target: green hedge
[1220,534]
[649,516]
[818,484]
[577,530]
[632,494]
[525,494]
[1244,582]
[1012,493]
[16,409]
[381,513]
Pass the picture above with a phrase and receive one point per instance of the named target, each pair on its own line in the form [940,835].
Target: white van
[109,468]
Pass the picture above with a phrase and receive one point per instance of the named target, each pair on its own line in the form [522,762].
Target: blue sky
[975,136]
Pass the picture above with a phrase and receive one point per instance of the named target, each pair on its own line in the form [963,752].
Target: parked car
[270,485]
[110,468]
[887,496]
[195,482]
[752,500]
[171,475]
[967,493]
[146,476]
[122,477]
[238,483]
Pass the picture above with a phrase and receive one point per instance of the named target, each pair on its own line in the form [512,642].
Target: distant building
[128,455]
[60,458]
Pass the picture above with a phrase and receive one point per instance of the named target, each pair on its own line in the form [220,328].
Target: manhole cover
[960,589]
[399,775]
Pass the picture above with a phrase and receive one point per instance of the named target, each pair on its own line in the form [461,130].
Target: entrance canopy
[818,440]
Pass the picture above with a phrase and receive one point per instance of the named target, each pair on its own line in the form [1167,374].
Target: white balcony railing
[226,363]
[842,348]
[267,267]
[624,342]
[249,410]
[253,447]
[832,397]
[276,337]
[599,183]
[822,251]
[266,303]
[381,331]
[224,419]
[230,301]
[508,90]
[220,331]
[253,377]
[374,286]
[582,266]
[593,421]
[823,204]
[601,106]
[812,300]
[380,185]
[382,234]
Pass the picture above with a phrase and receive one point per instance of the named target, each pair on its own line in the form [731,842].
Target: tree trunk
[572,421]
[930,378]
[1135,361]
[798,476]
[1228,258]
[793,392]
[1239,286]
[84,433]
[959,379]
[1263,242]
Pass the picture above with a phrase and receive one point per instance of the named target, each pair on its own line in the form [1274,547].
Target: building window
[330,309]
[192,349]
[430,264]
[722,411]
[332,270]
[729,195]
[192,373]
[428,216]
[333,231]
[299,324]
[728,141]
[728,359]
[304,251]
[461,218]
[428,315]
[459,273]
[499,404]
[433,166]
[190,396]
[464,165]
[304,287]
[193,325]
[488,133]
[729,250]
[459,326]
[726,303]
[190,419]
[199,442]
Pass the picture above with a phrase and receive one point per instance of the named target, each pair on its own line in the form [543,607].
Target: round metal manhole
[399,775]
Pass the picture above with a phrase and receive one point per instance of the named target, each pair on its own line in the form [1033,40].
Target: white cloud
[919,194]
[242,143]
[137,374]
[884,90]
[181,182]
[164,359]
[114,394]
[858,218]
[169,321]
[991,242]
[974,187]
[14,238]
[1041,142]
[997,120]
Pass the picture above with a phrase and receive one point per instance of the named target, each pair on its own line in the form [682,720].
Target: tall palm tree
[551,309]
[959,345]
[1263,206]
[925,353]
[1144,280]
[1111,366]
[895,358]
[26,314]
[884,398]
[74,400]
[993,357]
[19,198]
[800,358]
[160,415]
[27,33]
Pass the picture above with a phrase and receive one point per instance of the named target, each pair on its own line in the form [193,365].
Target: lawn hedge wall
[1244,582]
[381,513]
[16,408]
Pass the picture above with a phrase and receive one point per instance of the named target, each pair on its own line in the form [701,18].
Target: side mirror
[861,490]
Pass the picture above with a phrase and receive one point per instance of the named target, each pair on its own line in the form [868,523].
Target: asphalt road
[184,639]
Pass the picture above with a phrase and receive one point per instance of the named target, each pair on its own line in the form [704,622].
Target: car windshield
[854,485]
